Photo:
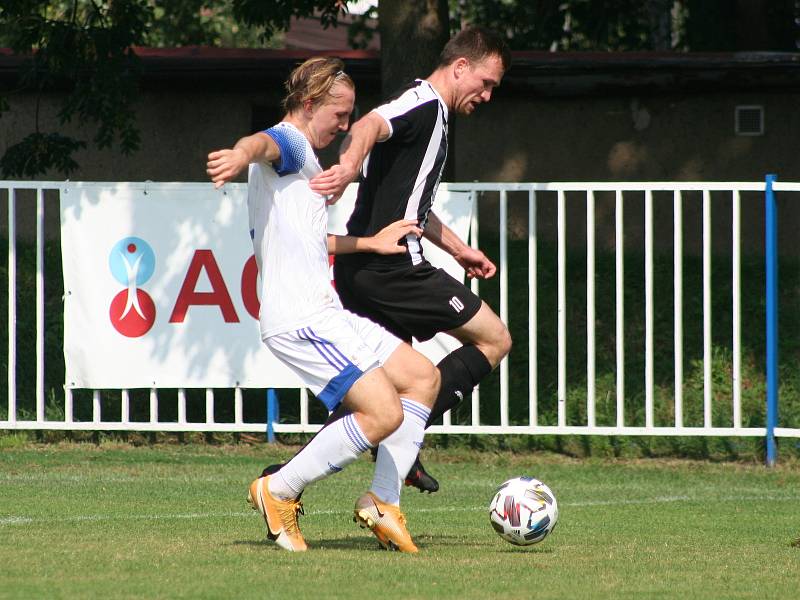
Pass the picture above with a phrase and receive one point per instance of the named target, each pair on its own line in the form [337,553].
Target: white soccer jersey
[288,226]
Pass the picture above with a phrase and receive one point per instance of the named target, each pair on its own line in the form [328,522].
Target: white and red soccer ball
[523,511]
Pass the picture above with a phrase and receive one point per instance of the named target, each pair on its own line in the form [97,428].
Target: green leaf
[38,153]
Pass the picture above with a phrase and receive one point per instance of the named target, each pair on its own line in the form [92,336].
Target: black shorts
[418,301]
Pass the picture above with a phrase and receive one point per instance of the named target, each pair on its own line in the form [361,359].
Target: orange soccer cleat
[386,521]
[280,516]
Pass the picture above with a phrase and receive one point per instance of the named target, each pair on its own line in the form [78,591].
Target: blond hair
[313,81]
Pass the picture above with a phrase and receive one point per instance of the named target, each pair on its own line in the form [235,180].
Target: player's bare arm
[475,262]
[224,165]
[368,131]
[386,241]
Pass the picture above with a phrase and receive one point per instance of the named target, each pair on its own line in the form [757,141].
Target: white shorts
[332,351]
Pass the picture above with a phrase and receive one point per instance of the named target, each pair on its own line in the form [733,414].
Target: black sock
[461,371]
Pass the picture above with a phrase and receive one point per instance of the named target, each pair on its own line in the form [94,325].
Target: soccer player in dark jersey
[399,150]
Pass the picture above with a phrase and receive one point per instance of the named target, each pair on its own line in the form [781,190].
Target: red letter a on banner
[219,296]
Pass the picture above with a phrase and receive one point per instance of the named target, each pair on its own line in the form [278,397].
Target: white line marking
[15,520]
[20,520]
[80,478]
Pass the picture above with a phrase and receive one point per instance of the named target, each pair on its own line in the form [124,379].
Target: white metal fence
[556,419]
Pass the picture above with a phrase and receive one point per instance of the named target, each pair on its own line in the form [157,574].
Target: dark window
[749,120]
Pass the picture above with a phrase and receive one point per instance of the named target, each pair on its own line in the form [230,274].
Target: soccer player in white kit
[344,359]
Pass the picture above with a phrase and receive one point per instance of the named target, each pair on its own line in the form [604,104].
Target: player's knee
[430,381]
[497,345]
[381,420]
[504,342]
[390,420]
[424,381]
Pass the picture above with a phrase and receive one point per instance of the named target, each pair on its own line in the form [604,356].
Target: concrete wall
[687,137]
[517,137]
[178,130]
[634,137]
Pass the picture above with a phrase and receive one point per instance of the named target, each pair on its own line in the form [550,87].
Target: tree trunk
[742,25]
[712,25]
[766,25]
[659,13]
[413,33]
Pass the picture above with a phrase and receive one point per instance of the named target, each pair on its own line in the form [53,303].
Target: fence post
[771,241]
[273,414]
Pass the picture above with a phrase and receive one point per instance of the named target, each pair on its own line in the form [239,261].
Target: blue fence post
[771,241]
[273,414]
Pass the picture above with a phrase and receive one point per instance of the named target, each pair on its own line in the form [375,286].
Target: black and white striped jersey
[400,175]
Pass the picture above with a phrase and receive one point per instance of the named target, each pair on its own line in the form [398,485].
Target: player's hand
[387,240]
[332,183]
[475,263]
[224,165]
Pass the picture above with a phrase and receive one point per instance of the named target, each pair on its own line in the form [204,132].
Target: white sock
[331,450]
[397,452]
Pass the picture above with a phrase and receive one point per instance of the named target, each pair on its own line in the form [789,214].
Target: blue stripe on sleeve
[292,145]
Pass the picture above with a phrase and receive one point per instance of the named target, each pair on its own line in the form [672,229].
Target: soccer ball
[523,511]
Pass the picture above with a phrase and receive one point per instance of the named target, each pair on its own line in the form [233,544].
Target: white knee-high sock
[331,450]
[397,452]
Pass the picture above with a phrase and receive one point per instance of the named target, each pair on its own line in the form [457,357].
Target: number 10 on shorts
[457,304]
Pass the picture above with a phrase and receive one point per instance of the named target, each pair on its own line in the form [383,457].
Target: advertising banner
[160,285]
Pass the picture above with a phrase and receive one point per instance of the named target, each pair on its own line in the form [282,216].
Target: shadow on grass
[317,544]
[370,544]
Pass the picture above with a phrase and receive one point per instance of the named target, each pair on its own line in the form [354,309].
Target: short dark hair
[475,44]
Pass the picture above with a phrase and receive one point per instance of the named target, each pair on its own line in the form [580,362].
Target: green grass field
[170,521]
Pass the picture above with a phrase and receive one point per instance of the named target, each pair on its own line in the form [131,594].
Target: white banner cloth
[160,285]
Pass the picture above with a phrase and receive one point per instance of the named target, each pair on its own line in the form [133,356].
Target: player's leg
[340,371]
[374,411]
[416,381]
[486,342]
[379,508]
[423,301]
[413,379]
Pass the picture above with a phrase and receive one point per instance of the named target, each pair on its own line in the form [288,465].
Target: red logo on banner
[132,262]
[136,322]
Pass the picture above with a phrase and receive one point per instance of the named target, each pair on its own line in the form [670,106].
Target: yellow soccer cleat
[280,516]
[386,521]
